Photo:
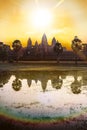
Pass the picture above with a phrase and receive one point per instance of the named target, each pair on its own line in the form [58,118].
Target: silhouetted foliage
[57,83]
[58,49]
[76,46]
[4,78]
[16,84]
[76,86]
[18,51]
[40,51]
[16,45]
[4,51]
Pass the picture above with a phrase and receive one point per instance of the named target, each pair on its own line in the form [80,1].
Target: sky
[68,18]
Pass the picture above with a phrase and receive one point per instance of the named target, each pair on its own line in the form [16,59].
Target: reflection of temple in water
[57,79]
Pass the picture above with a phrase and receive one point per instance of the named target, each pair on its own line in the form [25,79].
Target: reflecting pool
[43,94]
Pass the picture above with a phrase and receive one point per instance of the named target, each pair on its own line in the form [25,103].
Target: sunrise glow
[62,19]
[41,18]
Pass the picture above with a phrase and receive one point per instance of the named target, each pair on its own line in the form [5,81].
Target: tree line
[44,49]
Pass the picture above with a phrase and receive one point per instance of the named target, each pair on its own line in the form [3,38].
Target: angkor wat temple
[42,51]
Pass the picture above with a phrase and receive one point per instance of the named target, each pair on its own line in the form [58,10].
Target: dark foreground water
[43,100]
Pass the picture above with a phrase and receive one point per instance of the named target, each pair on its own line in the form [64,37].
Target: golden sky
[69,18]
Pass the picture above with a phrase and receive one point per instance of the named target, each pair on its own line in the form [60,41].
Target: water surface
[42,94]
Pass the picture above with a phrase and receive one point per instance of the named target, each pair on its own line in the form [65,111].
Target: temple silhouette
[40,51]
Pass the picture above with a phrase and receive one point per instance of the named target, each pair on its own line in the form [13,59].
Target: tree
[76,47]
[4,51]
[58,49]
[17,49]
[16,45]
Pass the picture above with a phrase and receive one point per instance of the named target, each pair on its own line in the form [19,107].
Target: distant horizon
[24,42]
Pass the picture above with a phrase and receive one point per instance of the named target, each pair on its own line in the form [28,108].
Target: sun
[41,18]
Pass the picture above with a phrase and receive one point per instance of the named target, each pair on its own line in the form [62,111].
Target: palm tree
[77,47]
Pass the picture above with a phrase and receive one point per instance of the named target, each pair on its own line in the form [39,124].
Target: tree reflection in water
[76,85]
[4,78]
[16,84]
[57,82]
[84,81]
[57,79]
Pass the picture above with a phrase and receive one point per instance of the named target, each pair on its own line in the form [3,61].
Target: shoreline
[43,66]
